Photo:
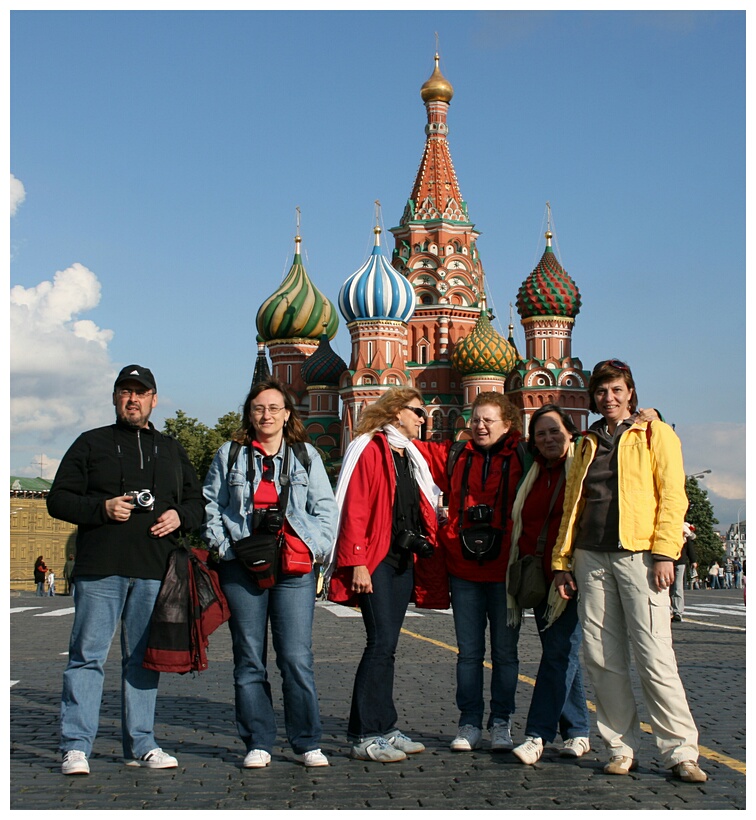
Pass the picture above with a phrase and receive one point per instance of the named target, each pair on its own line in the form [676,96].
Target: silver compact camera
[143,500]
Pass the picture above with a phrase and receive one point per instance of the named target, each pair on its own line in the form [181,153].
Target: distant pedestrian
[40,573]
[68,571]
[687,557]
[51,584]
[738,571]
[728,574]
[714,576]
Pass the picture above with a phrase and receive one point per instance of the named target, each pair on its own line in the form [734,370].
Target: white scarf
[352,455]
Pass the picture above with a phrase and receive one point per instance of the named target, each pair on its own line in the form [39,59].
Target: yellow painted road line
[709,754]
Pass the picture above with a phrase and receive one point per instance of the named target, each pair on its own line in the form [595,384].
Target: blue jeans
[102,601]
[289,605]
[558,698]
[373,711]
[40,589]
[474,604]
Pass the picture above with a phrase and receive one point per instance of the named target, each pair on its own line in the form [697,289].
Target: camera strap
[503,482]
[283,479]
[119,453]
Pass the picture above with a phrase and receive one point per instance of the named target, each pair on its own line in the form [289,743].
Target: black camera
[414,542]
[143,500]
[267,520]
[480,514]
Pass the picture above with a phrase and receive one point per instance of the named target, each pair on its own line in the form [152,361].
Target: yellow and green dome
[297,309]
[483,351]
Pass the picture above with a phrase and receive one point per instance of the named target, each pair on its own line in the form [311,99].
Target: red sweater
[478,492]
[365,531]
[534,514]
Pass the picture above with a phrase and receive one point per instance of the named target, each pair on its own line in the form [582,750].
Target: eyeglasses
[615,363]
[485,422]
[125,393]
[273,409]
[418,411]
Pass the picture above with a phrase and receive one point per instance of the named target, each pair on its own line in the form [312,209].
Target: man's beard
[133,425]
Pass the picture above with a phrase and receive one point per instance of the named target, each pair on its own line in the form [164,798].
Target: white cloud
[59,364]
[719,447]
[17,194]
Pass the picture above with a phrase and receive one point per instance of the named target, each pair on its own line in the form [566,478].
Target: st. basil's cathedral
[420,318]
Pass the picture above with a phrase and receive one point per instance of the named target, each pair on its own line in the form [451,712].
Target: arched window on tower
[288,374]
[422,353]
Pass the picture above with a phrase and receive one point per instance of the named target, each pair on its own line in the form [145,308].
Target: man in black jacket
[131,491]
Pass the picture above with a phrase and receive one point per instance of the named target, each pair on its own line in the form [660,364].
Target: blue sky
[157,160]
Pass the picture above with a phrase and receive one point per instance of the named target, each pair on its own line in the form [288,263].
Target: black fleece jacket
[108,462]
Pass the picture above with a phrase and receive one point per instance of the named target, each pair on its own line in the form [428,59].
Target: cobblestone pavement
[195,721]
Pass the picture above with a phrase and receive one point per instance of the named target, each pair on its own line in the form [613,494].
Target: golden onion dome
[436,87]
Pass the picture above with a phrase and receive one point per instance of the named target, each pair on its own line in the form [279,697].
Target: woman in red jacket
[481,490]
[385,556]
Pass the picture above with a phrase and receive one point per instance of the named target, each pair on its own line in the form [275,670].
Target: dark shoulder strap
[301,454]
[454,452]
[233,454]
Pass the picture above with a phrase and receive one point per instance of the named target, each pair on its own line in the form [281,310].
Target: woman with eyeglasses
[385,556]
[480,492]
[620,535]
[269,499]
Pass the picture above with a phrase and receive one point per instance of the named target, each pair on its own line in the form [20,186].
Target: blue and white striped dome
[377,291]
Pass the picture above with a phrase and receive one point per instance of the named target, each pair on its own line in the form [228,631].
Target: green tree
[200,441]
[708,545]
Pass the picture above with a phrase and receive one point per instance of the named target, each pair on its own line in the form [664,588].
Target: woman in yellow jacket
[621,532]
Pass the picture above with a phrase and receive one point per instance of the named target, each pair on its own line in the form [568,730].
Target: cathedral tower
[548,302]
[435,248]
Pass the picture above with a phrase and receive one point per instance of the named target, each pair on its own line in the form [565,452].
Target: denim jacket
[311,509]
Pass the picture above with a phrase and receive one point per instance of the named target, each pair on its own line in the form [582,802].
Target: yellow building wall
[32,533]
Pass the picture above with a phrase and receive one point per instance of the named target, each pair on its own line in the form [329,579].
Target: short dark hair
[293,431]
[541,411]
[608,371]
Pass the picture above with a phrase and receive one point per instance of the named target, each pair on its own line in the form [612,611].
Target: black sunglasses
[418,411]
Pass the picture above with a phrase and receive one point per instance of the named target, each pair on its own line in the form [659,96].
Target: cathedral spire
[435,194]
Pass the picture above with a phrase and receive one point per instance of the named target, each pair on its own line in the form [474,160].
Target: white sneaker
[75,762]
[377,748]
[530,751]
[312,758]
[468,738]
[575,747]
[256,759]
[156,759]
[501,737]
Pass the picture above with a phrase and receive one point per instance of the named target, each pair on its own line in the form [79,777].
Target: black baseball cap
[137,373]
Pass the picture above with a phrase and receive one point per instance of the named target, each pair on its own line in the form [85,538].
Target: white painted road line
[14,682]
[341,611]
[23,608]
[713,610]
[56,613]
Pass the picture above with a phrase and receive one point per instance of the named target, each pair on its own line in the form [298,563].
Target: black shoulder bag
[527,581]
